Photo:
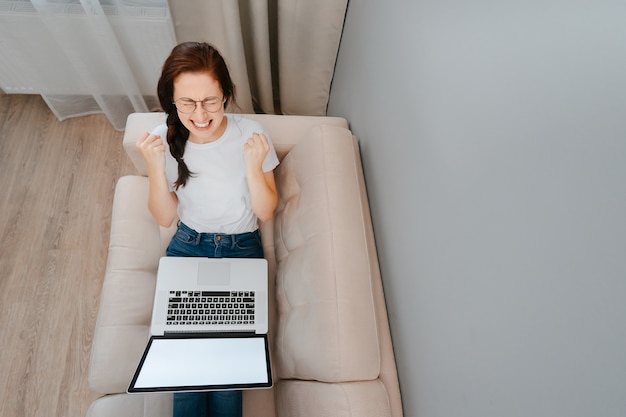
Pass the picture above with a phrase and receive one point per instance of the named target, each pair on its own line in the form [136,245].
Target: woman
[211,170]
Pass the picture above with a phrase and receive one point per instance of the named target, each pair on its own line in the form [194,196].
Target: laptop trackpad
[213,273]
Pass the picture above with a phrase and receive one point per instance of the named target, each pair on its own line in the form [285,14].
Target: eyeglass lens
[211,105]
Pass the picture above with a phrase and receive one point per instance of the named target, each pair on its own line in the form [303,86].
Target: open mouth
[204,125]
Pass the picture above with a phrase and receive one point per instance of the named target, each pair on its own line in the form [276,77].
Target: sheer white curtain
[281,53]
[94,56]
[86,56]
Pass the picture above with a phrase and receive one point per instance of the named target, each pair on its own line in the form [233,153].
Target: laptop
[209,327]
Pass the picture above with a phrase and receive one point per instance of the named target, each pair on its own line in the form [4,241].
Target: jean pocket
[250,245]
[184,237]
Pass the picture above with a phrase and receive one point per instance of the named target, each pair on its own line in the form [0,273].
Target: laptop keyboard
[210,307]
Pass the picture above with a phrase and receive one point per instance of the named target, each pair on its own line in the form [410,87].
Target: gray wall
[493,138]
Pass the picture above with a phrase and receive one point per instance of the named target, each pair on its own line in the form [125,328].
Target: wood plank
[57,180]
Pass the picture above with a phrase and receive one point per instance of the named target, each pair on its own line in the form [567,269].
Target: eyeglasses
[209,104]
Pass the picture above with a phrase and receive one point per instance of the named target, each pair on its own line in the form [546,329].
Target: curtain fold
[308,42]
[281,53]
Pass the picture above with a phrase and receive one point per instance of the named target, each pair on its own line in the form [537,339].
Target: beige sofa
[330,341]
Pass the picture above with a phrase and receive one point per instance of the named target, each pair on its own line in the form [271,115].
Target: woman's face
[204,119]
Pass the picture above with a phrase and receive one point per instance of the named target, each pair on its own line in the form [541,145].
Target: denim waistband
[224,238]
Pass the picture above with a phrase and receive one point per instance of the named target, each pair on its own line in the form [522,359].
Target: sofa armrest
[332,339]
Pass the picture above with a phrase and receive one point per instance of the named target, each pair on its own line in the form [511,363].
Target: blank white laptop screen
[203,363]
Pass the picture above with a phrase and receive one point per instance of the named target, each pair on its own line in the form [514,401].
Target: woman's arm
[263,194]
[162,203]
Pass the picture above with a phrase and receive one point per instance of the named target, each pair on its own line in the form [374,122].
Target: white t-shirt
[216,198]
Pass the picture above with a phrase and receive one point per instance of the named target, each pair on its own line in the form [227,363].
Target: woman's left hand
[263,195]
[255,150]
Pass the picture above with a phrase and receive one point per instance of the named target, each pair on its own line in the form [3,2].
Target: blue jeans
[188,242]
[207,404]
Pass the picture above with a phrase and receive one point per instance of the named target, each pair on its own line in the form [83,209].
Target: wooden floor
[57,181]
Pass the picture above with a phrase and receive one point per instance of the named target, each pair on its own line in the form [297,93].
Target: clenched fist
[152,150]
[255,150]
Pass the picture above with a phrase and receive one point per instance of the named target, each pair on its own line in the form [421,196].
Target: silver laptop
[210,295]
[209,327]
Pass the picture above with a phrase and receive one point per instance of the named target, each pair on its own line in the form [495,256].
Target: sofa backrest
[285,131]
[327,325]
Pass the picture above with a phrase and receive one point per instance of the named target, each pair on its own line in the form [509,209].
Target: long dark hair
[189,57]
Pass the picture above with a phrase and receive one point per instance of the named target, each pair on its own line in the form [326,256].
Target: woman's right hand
[152,150]
[162,203]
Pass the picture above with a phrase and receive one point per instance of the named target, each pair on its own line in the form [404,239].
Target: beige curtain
[281,53]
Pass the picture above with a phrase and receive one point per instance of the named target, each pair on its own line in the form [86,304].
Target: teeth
[202,124]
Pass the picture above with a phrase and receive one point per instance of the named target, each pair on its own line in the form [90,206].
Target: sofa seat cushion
[122,327]
[327,328]
[115,357]
[344,399]
[256,403]
[136,405]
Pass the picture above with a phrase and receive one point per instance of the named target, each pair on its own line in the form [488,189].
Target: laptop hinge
[206,332]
